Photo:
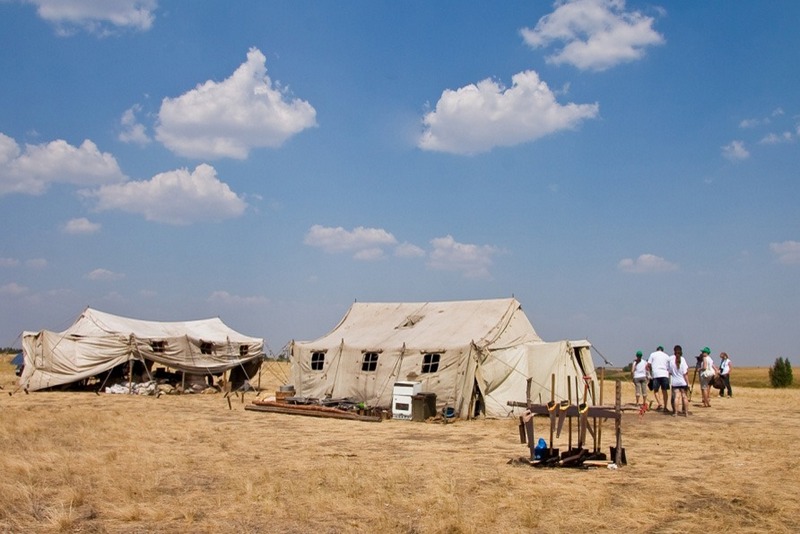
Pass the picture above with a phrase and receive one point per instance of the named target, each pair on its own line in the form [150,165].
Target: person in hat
[658,367]
[725,374]
[639,376]
[707,373]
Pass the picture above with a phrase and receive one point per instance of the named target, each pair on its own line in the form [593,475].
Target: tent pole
[263,362]
[108,374]
[130,377]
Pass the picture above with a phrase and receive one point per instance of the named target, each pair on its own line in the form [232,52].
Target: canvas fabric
[485,344]
[99,341]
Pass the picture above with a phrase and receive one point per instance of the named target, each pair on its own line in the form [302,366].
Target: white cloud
[735,151]
[174,197]
[774,139]
[132,130]
[787,252]
[80,225]
[98,17]
[481,116]
[105,275]
[473,261]
[597,34]
[36,263]
[646,263]
[365,243]
[752,123]
[370,254]
[229,118]
[13,289]
[9,262]
[32,170]
[408,250]
[224,297]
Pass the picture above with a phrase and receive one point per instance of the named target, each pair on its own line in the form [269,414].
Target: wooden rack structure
[589,418]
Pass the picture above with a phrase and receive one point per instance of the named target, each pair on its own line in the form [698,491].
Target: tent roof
[427,325]
[96,323]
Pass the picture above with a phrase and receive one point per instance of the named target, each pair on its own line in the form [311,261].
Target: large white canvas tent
[474,355]
[98,342]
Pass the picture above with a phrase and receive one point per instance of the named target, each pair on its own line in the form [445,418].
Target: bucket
[448,412]
[284,392]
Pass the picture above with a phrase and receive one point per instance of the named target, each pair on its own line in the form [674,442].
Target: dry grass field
[80,462]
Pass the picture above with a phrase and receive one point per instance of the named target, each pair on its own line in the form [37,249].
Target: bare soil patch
[80,462]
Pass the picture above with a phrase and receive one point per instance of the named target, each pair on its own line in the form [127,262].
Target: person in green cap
[707,372]
[639,376]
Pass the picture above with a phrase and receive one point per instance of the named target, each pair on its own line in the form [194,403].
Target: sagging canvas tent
[98,341]
[475,355]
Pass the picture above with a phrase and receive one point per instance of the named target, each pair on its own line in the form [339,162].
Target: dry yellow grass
[79,462]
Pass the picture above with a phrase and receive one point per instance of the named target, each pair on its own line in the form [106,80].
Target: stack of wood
[312,410]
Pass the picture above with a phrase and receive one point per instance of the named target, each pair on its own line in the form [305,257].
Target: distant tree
[9,350]
[780,374]
[627,368]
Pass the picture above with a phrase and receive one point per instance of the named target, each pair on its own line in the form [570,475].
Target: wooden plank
[320,411]
[608,412]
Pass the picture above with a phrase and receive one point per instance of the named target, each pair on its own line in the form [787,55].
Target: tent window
[158,346]
[243,350]
[430,363]
[370,362]
[206,347]
[317,361]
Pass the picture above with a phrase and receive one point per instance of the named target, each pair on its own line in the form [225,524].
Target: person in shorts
[679,378]
[707,372]
[639,376]
[658,367]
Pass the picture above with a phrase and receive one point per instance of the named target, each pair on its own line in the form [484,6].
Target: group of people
[662,372]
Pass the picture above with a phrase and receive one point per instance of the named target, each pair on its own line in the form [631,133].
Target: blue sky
[627,170]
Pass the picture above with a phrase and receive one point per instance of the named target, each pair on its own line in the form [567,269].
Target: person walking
[639,376]
[679,377]
[658,367]
[707,373]
[725,374]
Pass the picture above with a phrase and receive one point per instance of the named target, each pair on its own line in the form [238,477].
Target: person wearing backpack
[707,373]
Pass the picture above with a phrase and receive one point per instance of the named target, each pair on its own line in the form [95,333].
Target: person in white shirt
[658,367]
[707,372]
[725,373]
[639,376]
[679,375]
